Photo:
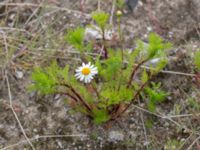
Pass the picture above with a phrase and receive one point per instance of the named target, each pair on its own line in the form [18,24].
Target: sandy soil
[176,21]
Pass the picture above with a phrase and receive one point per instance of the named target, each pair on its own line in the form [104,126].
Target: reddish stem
[95,90]
[67,94]
[197,79]
[104,43]
[134,72]
[78,96]
[135,96]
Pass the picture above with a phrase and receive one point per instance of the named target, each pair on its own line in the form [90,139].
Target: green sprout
[155,96]
[101,19]
[197,59]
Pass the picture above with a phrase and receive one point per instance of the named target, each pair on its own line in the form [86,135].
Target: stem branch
[135,70]
[78,96]
[67,94]
[128,105]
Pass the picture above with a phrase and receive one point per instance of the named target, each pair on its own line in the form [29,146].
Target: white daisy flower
[86,72]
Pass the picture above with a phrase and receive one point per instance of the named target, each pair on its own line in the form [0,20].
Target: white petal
[94,72]
[79,69]
[87,65]
[94,68]
[79,77]
[82,77]
[78,73]
[87,79]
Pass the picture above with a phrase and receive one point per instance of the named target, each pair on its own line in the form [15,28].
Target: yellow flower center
[86,71]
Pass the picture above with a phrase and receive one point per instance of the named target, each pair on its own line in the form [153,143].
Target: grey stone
[116,136]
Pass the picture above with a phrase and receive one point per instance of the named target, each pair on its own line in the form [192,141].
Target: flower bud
[119,13]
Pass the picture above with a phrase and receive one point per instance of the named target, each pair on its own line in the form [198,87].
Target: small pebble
[19,74]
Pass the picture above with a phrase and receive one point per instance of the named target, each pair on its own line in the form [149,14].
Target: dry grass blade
[34,13]
[16,117]
[112,12]
[45,6]
[10,95]
[191,145]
